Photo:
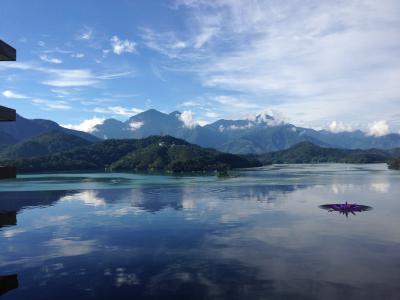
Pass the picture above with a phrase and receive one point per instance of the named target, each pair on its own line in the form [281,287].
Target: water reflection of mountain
[148,199]
[13,202]
[151,199]
[262,193]
[156,199]
[8,283]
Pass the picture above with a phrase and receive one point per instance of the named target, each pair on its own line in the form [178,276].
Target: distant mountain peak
[111,121]
[151,110]
[264,119]
[176,113]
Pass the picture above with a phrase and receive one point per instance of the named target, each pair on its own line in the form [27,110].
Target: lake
[257,235]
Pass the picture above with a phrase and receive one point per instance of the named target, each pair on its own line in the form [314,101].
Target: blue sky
[322,64]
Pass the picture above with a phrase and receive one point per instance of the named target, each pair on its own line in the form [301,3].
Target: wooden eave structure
[7,53]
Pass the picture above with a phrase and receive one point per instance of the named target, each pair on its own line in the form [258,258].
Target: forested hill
[307,152]
[44,144]
[155,153]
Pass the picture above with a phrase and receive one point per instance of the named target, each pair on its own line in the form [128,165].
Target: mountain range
[260,134]
[257,135]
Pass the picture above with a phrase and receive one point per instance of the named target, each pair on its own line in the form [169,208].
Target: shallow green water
[260,235]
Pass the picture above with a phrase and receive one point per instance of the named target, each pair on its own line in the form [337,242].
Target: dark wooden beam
[7,114]
[8,283]
[7,172]
[7,53]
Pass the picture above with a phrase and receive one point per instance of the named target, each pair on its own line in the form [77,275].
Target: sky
[322,64]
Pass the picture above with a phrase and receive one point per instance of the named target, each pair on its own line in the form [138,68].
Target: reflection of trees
[151,199]
[8,283]
[148,199]
[261,193]
[155,199]
[13,202]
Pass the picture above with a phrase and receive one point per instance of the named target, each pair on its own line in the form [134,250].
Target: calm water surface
[260,235]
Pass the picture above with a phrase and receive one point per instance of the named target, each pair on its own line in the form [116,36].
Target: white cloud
[45,58]
[380,187]
[61,92]
[191,104]
[10,233]
[203,122]
[135,125]
[86,34]
[165,43]
[59,77]
[122,46]
[269,117]
[235,127]
[77,55]
[114,75]
[211,114]
[122,278]
[236,103]
[86,125]
[70,78]
[13,95]
[118,110]
[70,247]
[378,128]
[105,52]
[17,66]
[89,197]
[187,117]
[336,126]
[205,36]
[51,105]
[316,61]
[179,45]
